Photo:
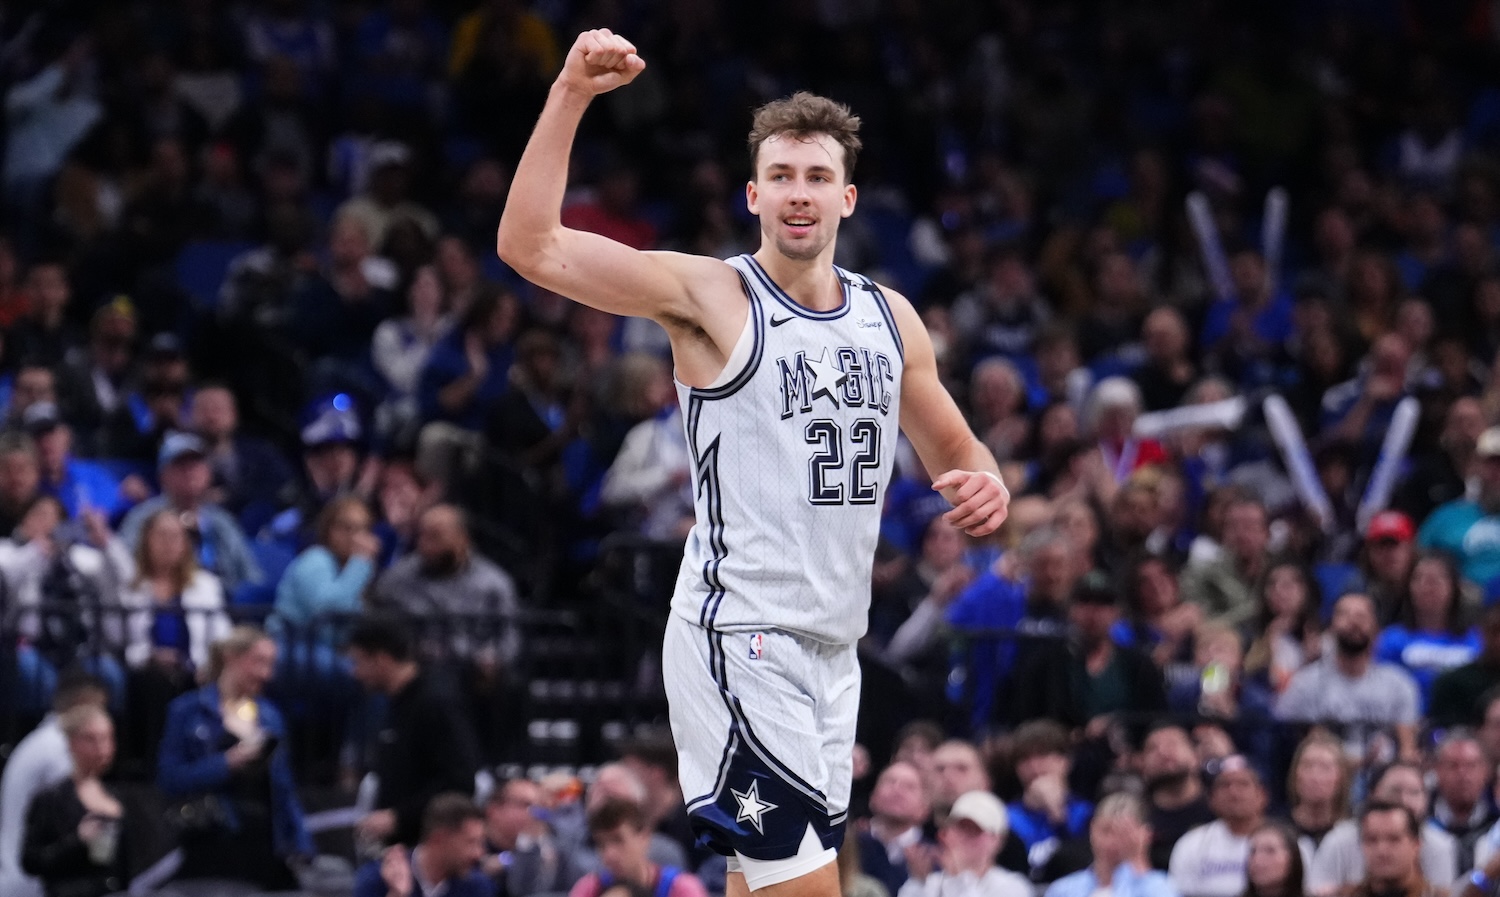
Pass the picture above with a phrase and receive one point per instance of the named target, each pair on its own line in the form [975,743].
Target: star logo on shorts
[751,806]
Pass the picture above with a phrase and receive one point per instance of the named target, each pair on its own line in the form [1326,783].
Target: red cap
[1390,525]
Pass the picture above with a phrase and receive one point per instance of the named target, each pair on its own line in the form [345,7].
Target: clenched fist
[599,62]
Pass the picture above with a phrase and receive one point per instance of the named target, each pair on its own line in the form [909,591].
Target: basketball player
[793,376]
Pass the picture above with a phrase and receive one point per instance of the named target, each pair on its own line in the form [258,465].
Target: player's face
[800,194]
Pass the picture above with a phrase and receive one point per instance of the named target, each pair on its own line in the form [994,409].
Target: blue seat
[202,266]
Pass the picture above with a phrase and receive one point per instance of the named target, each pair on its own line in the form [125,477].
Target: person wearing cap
[1339,862]
[1120,838]
[1209,861]
[80,485]
[1458,694]
[964,865]
[1349,686]
[1469,529]
[1386,558]
[182,466]
[331,437]
[46,333]
[1093,677]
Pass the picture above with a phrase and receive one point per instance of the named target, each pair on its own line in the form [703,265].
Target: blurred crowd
[1219,284]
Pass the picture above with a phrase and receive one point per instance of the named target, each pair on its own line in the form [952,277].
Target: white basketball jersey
[793,448]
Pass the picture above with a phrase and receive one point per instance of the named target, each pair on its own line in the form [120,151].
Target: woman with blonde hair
[1318,788]
[224,759]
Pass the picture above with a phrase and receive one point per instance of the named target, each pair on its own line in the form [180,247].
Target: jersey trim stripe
[757,321]
[885,312]
[793,305]
[730,744]
[716,660]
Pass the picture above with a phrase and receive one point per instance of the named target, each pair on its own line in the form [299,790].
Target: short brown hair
[803,115]
[1039,737]
[447,812]
[614,813]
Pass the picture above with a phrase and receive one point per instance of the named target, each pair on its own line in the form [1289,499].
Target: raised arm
[962,469]
[586,267]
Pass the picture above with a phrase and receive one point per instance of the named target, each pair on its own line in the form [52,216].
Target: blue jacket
[368,883]
[315,585]
[87,484]
[191,763]
[1033,827]
[1462,528]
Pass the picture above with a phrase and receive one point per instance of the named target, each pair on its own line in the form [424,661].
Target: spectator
[521,855]
[1169,370]
[1288,635]
[1439,476]
[39,761]
[1385,563]
[998,396]
[444,862]
[1317,789]
[957,769]
[1461,803]
[969,841]
[224,759]
[899,807]
[1047,813]
[61,579]
[47,115]
[426,745]
[650,480]
[402,345]
[468,370]
[1349,686]
[1339,862]
[77,833]
[445,579]
[1456,693]
[76,483]
[1252,323]
[20,479]
[1168,765]
[1209,861]
[1157,619]
[1451,525]
[1359,411]
[1225,587]
[622,837]
[94,386]
[1093,678]
[329,578]
[175,613]
[385,199]
[35,383]
[185,482]
[1274,867]
[248,474]
[653,759]
[1110,416]
[1391,846]
[1120,839]
[852,882]
[613,781]
[1431,634]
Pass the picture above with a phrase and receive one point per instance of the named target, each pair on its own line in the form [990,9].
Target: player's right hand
[599,62]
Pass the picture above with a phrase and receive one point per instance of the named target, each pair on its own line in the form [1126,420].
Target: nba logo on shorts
[757,646]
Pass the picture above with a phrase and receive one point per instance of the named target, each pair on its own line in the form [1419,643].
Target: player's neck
[811,283]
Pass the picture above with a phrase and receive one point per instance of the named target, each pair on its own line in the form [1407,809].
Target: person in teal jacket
[223,762]
[1469,528]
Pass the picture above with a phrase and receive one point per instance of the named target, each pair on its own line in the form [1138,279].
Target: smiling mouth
[798,223]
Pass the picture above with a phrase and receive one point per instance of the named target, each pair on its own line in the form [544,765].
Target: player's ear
[850,195]
[752,197]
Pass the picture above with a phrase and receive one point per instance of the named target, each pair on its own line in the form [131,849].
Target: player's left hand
[980,501]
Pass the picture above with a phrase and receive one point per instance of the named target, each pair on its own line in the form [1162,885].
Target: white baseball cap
[981,808]
[1489,443]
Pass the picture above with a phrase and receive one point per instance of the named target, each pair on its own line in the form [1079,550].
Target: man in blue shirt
[1120,840]
[78,484]
[1468,528]
[446,862]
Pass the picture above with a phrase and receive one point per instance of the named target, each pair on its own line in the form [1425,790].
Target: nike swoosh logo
[777,322]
